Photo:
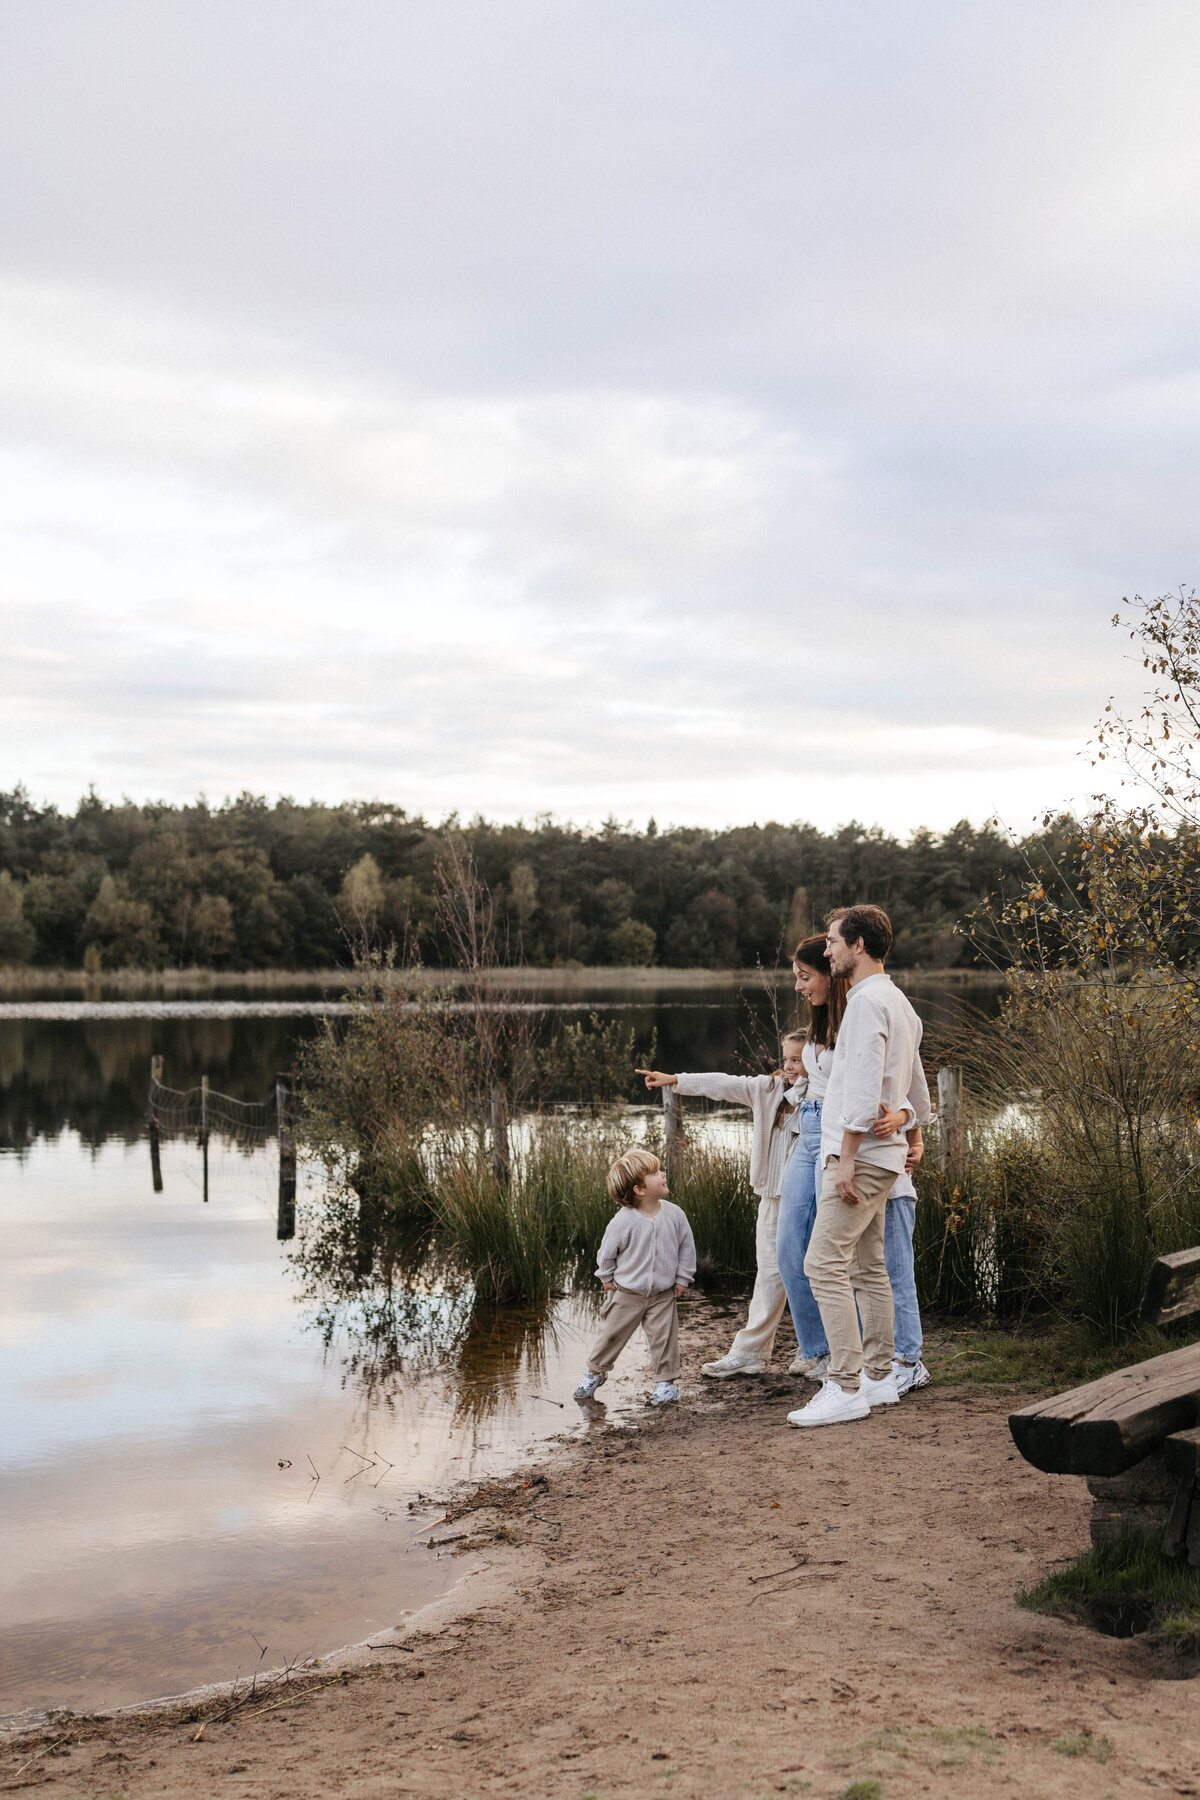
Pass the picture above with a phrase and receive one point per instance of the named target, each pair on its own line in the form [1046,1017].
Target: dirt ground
[708,1602]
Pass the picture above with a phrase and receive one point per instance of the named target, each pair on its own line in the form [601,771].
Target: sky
[641,408]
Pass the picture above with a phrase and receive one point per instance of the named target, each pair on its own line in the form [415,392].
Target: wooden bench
[1134,1435]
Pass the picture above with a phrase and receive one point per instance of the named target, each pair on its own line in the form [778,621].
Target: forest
[254,884]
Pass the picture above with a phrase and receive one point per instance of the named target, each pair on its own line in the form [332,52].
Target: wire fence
[202,1111]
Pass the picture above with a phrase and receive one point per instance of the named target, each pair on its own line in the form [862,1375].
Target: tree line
[252,884]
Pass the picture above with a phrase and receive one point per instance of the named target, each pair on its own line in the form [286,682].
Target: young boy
[647,1261]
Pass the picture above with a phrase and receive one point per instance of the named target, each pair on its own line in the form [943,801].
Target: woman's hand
[656,1079]
[887,1124]
[610,1287]
[915,1153]
[680,1289]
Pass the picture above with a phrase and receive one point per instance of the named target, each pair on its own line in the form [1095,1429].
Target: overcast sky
[594,407]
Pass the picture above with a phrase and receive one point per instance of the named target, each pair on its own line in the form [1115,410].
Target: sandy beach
[707,1602]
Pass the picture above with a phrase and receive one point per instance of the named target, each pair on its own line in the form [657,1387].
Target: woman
[826,996]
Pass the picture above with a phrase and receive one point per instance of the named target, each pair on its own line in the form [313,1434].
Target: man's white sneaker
[588,1385]
[664,1393]
[815,1367]
[832,1406]
[910,1376]
[725,1366]
[882,1392]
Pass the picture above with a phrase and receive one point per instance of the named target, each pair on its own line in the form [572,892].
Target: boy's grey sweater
[876,1060]
[762,1094]
[647,1255]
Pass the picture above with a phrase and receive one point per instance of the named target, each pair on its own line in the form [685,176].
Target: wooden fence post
[950,1119]
[156,1069]
[501,1156]
[204,1131]
[285,1223]
[673,1135]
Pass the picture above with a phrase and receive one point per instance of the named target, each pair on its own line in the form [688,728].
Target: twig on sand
[799,1563]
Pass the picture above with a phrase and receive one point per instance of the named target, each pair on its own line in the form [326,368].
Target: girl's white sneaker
[832,1406]
[664,1393]
[726,1366]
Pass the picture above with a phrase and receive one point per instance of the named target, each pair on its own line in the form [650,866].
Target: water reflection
[389,1307]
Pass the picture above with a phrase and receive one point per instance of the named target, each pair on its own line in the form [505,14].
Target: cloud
[707,414]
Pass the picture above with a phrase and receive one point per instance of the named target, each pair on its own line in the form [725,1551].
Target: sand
[704,1601]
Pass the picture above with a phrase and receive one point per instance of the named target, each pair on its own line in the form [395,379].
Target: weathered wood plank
[1108,1425]
[1173,1290]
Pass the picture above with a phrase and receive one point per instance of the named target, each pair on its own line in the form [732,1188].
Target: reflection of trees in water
[393,1308]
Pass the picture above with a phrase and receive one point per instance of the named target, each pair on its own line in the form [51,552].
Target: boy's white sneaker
[588,1385]
[910,1376]
[815,1367]
[664,1393]
[832,1406]
[882,1392]
[727,1366]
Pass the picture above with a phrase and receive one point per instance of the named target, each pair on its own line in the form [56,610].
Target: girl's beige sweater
[762,1094]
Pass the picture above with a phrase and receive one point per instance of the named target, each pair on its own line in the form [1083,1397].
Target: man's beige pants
[845,1263]
[620,1316]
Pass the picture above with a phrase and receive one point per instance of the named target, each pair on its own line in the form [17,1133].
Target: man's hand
[915,1153]
[845,1181]
[887,1124]
[656,1079]
[610,1287]
[680,1289]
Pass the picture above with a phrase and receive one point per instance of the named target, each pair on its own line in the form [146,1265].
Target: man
[876,1062]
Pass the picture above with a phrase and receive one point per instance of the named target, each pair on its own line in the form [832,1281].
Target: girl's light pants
[757,1336]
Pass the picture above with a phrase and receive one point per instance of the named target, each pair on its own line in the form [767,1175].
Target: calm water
[211,1440]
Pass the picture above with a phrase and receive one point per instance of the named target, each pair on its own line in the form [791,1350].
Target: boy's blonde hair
[629,1172]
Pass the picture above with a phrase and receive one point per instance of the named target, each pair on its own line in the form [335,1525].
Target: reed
[538,1233]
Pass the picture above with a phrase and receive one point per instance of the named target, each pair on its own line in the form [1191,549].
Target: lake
[210,1440]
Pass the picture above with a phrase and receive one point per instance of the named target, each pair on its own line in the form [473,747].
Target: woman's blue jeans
[797,1214]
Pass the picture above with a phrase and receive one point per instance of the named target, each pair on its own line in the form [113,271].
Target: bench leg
[1177,1536]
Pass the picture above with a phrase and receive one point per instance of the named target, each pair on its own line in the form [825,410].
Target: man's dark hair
[870,923]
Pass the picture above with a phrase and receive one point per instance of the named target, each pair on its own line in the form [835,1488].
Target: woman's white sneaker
[832,1406]
[726,1366]
[882,1392]
[910,1376]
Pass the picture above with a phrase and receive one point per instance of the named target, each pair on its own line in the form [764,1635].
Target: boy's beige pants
[845,1262]
[620,1316]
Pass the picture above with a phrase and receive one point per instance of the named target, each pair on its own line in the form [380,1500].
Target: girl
[775,1117]
[826,997]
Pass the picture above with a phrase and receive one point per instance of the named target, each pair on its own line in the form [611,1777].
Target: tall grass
[538,1232]
[1081,1162]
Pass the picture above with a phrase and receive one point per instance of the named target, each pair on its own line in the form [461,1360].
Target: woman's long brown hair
[823,1020]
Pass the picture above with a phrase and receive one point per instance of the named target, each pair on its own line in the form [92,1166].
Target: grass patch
[1046,1357]
[1084,1744]
[1125,1589]
[863,1790]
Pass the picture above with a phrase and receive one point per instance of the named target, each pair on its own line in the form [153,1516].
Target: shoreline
[75,984]
[704,1602]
